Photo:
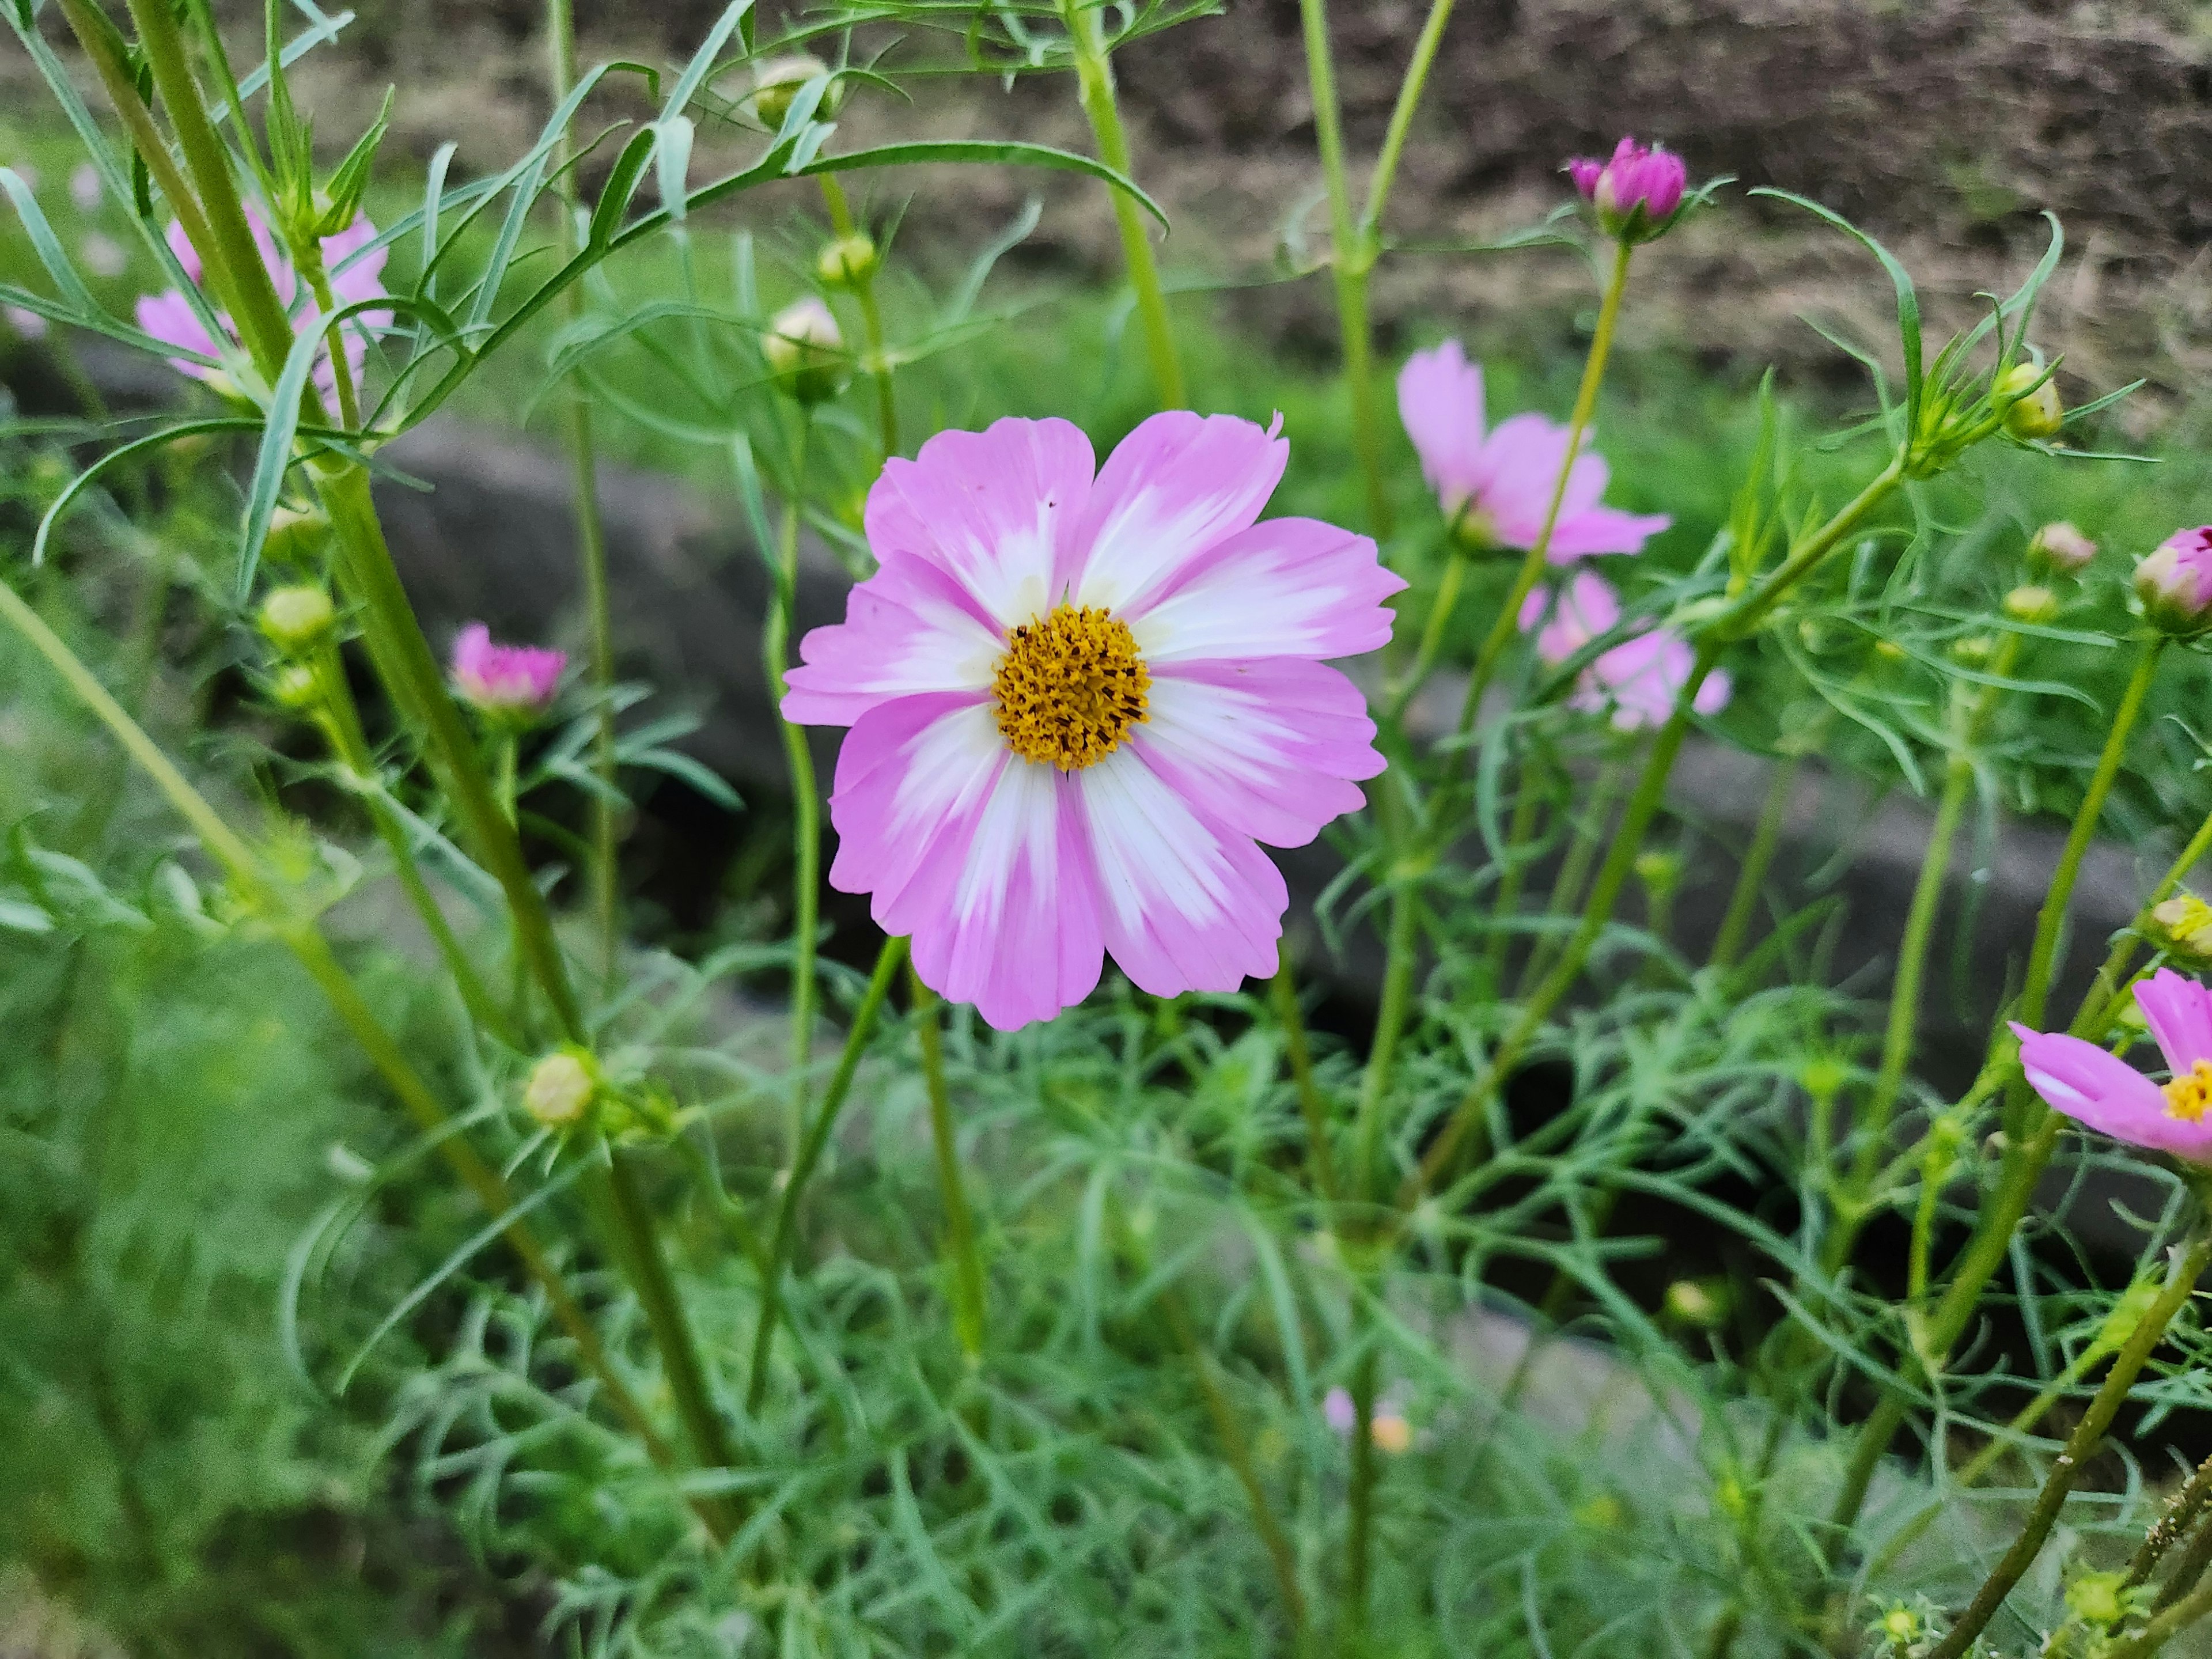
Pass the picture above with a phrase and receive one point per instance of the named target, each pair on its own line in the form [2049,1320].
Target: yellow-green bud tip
[2035,410]
[2031,605]
[559,1092]
[296,619]
[777,82]
[296,686]
[805,350]
[847,261]
[1690,1303]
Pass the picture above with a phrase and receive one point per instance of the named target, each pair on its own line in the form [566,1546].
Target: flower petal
[1520,468]
[1595,530]
[1268,750]
[1171,492]
[911,778]
[911,628]
[2179,1011]
[170,319]
[2107,1093]
[1440,401]
[1289,587]
[1184,904]
[993,509]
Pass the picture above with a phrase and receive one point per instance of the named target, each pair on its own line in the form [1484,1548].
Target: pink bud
[2175,581]
[2063,546]
[505,681]
[1338,1411]
[1636,193]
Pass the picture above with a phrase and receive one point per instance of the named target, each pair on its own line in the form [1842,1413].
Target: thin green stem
[1359,1507]
[1508,622]
[2165,1626]
[1401,118]
[805,794]
[590,527]
[964,1267]
[888,963]
[1094,76]
[1353,257]
[1590,826]
[1521,830]
[1283,990]
[1403,953]
[1758,859]
[871,320]
[2080,1446]
[1432,636]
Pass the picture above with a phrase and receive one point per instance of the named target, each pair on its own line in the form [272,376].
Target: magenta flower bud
[2062,547]
[1637,193]
[2175,582]
[504,681]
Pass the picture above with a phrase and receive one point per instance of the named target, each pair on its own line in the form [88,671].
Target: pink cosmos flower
[1497,487]
[505,681]
[170,319]
[2111,1096]
[1651,179]
[1638,679]
[1078,701]
[27,324]
[2175,581]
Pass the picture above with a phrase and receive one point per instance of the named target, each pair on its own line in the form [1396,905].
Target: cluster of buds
[507,684]
[2174,583]
[804,351]
[1637,194]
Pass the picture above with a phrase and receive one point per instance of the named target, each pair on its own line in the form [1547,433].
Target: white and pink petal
[1171,492]
[2106,1093]
[2179,1011]
[1288,587]
[909,628]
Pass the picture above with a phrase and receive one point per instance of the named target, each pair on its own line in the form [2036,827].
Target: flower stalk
[964,1267]
[805,792]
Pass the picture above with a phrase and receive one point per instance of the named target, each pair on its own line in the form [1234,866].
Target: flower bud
[1390,1432]
[1823,1077]
[776,83]
[1973,650]
[2061,547]
[296,619]
[513,683]
[560,1090]
[2182,927]
[804,351]
[1691,1303]
[846,262]
[296,686]
[2031,605]
[1900,1626]
[1659,871]
[2035,411]
[2175,582]
[1636,194]
[2097,1598]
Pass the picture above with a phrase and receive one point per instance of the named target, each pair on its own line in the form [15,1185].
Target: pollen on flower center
[2189,1095]
[1070,687]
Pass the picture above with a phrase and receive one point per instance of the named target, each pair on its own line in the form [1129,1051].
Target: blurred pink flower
[27,324]
[2105,1092]
[84,186]
[1338,1411]
[170,319]
[2175,581]
[505,681]
[1079,703]
[1638,679]
[102,254]
[1637,191]
[1586,608]
[1496,487]
[1388,1427]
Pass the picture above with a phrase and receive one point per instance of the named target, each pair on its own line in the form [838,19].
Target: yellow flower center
[2189,1095]
[1070,687]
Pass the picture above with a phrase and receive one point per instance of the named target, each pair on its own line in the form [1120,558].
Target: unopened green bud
[1900,1626]
[847,261]
[1823,1077]
[1659,871]
[1973,650]
[1603,1510]
[560,1090]
[776,83]
[297,619]
[295,535]
[2036,411]
[805,351]
[2182,927]
[2031,605]
[296,686]
[1890,651]
[1690,1302]
[2097,1598]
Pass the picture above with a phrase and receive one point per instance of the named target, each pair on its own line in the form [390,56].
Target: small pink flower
[1586,609]
[27,324]
[1079,703]
[2175,581]
[2110,1095]
[84,186]
[1388,1427]
[1497,487]
[102,254]
[505,681]
[1338,1411]
[170,319]
[1637,192]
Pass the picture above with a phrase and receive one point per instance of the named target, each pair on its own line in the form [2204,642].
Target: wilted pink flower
[1077,703]
[1496,487]
[170,319]
[2111,1096]
[27,324]
[1586,609]
[84,186]
[1635,193]
[2175,581]
[506,681]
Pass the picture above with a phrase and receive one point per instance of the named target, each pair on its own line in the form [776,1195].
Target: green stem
[1401,118]
[1432,636]
[591,526]
[2165,1627]
[2121,957]
[1353,257]
[964,1267]
[1574,868]
[341,724]
[1283,992]
[806,795]
[1403,953]
[1758,859]
[2080,1446]
[1359,1505]
[871,320]
[1519,833]
[1094,76]
[888,961]
[1508,621]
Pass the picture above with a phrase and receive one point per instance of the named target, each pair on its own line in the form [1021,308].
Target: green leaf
[85,479]
[1014,152]
[671,161]
[696,72]
[621,184]
[1908,300]
[45,244]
